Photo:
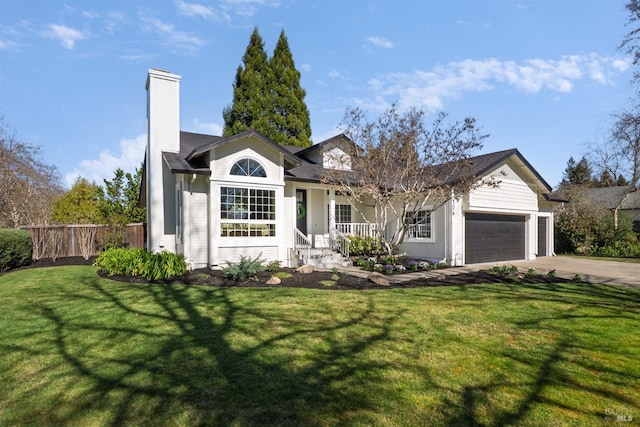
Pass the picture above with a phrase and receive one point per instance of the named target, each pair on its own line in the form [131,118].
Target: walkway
[592,271]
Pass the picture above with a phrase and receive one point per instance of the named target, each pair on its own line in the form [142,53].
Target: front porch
[323,225]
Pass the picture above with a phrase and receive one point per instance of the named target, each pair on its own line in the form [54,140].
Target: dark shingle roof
[623,197]
[193,146]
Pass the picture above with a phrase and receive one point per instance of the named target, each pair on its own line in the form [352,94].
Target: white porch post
[332,210]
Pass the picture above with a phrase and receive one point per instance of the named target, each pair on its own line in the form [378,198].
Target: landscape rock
[305,269]
[378,279]
[274,281]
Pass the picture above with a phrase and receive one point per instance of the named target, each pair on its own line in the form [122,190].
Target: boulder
[274,281]
[305,269]
[378,279]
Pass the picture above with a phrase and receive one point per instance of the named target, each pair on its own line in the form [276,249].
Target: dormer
[333,153]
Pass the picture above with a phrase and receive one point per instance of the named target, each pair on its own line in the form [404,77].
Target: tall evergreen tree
[252,92]
[267,96]
[291,118]
[577,173]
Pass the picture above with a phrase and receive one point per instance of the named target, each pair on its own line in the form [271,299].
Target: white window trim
[431,239]
[248,222]
[266,173]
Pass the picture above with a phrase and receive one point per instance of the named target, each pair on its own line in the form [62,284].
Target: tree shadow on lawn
[211,361]
[562,363]
[198,370]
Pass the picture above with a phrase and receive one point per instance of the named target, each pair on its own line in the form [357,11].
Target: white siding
[226,156]
[423,249]
[511,195]
[223,249]
[233,254]
[198,222]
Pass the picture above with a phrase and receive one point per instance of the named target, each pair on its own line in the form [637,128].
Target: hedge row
[16,249]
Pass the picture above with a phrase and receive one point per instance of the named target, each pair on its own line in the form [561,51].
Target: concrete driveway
[606,272]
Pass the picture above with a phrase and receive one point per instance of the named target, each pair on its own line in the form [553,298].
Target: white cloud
[128,159]
[335,74]
[206,12]
[208,128]
[431,89]
[181,41]
[66,36]
[113,20]
[380,42]
[8,44]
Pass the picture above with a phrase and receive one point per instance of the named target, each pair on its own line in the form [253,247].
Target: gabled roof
[340,137]
[193,146]
[219,141]
[485,163]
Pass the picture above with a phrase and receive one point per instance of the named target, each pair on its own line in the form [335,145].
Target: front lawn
[77,349]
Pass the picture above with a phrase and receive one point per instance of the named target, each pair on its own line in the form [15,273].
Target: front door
[301,211]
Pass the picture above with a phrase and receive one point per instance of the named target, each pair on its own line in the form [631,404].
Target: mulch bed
[206,277]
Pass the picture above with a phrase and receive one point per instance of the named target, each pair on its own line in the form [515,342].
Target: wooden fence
[86,240]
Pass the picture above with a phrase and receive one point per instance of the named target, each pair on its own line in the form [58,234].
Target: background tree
[577,173]
[588,228]
[120,202]
[252,106]
[82,204]
[28,185]
[625,144]
[291,116]
[399,166]
[267,96]
[630,41]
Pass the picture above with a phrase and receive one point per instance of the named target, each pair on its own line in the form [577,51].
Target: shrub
[244,269]
[619,248]
[112,237]
[273,266]
[140,263]
[503,270]
[16,249]
[282,275]
[364,246]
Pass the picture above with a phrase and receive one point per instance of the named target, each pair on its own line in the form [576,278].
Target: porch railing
[363,229]
[339,242]
[302,244]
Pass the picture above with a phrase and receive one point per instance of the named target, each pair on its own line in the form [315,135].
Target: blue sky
[540,76]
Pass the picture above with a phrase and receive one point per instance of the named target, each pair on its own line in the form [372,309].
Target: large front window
[419,225]
[247,212]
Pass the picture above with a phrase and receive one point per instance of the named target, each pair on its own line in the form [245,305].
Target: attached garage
[491,237]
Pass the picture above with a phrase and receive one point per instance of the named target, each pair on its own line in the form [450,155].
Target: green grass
[76,349]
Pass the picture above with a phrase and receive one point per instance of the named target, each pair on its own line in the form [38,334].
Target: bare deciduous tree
[86,235]
[398,166]
[630,42]
[625,144]
[27,184]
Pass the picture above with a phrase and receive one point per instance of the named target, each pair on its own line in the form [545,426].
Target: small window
[248,167]
[419,225]
[343,214]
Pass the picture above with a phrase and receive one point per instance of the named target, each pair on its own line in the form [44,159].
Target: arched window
[248,167]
